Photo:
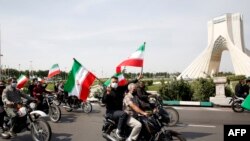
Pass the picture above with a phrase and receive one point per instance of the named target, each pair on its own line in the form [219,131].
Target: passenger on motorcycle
[131,107]
[12,96]
[113,98]
[2,87]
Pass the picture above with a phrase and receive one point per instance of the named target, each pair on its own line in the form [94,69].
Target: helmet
[22,111]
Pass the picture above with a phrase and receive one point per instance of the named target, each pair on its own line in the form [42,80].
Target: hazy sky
[102,33]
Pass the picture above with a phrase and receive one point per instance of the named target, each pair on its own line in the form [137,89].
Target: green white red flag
[135,60]
[79,81]
[21,81]
[54,70]
[121,80]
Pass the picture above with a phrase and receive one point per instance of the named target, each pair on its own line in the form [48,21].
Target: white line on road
[206,126]
[213,109]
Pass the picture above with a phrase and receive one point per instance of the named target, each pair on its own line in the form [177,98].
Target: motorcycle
[236,104]
[50,108]
[74,103]
[152,129]
[60,97]
[29,119]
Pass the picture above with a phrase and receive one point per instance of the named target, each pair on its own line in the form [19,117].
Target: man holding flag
[113,98]
[114,94]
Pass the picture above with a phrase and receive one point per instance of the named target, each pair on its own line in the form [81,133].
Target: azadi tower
[224,33]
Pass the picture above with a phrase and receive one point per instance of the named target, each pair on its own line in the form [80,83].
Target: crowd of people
[10,96]
[123,103]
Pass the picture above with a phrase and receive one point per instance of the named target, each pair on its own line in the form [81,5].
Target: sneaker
[5,135]
[117,133]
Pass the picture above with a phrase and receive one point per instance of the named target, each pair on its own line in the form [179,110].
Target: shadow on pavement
[26,137]
[68,118]
[194,135]
[61,137]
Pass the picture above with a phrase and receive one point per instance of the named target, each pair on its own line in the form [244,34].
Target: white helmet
[22,111]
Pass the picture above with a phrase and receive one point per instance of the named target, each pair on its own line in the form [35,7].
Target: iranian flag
[21,81]
[121,80]
[54,70]
[79,81]
[135,60]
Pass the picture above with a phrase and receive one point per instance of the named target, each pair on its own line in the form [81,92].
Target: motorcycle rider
[2,87]
[239,89]
[11,95]
[113,98]
[31,86]
[131,107]
[38,92]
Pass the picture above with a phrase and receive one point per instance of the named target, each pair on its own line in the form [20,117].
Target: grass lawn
[154,87]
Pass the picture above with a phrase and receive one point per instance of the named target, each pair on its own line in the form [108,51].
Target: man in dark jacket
[32,86]
[113,98]
[239,89]
[142,93]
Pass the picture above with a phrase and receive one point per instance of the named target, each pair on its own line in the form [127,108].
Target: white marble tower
[224,33]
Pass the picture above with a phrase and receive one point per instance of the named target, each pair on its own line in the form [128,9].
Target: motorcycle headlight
[152,100]
[22,111]
[33,105]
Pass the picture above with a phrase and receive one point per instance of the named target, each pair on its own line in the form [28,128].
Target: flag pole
[142,65]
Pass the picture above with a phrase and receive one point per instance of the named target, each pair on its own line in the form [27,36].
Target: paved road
[196,124]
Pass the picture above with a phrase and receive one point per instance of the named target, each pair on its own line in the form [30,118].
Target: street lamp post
[0,56]
[19,69]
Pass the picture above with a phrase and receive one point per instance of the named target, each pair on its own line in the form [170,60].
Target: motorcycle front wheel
[40,130]
[173,115]
[87,107]
[236,106]
[54,113]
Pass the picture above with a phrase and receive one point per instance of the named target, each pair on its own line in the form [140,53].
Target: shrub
[203,89]
[228,91]
[176,90]
[236,77]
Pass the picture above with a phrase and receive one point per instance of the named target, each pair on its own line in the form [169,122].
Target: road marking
[213,109]
[205,126]
[178,108]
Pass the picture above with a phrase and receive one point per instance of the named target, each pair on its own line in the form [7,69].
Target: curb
[188,103]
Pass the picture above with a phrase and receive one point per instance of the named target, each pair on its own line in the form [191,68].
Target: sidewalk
[188,103]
